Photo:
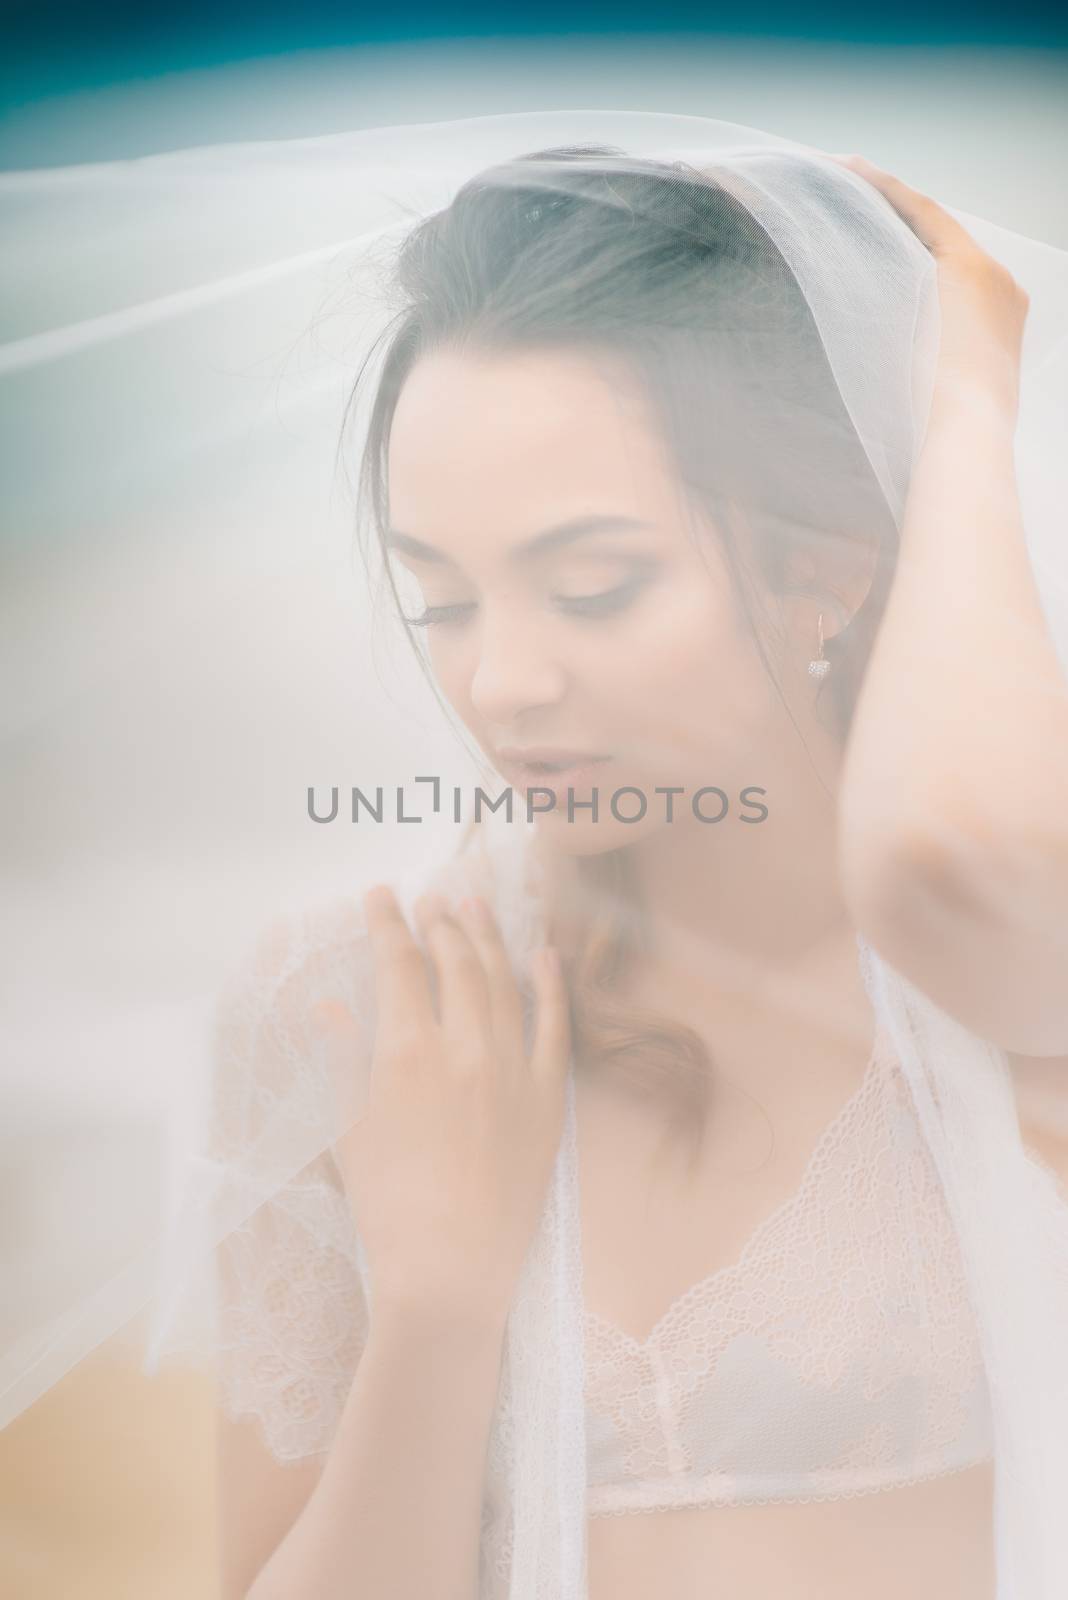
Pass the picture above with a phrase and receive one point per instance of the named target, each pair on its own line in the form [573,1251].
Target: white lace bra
[837,1356]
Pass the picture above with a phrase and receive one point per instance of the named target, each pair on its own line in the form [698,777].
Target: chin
[584,837]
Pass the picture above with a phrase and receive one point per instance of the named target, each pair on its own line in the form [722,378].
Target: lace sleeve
[291,1311]
[292,1314]
[290,1292]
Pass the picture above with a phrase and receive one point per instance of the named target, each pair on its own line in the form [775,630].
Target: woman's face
[570,606]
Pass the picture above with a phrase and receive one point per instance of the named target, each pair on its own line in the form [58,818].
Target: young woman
[615,474]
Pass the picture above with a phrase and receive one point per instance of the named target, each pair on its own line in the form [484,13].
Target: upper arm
[969,932]
[292,1324]
[291,1317]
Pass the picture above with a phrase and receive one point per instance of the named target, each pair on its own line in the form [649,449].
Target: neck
[741,908]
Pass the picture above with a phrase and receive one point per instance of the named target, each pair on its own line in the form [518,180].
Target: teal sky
[55,45]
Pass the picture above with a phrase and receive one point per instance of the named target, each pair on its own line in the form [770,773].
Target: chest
[797,1336]
[663,1210]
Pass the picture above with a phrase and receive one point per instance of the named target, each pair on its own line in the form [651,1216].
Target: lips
[551,768]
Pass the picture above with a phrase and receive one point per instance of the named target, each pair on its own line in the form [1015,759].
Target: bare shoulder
[1041,1084]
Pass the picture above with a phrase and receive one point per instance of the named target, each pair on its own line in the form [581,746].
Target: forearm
[960,741]
[396,1513]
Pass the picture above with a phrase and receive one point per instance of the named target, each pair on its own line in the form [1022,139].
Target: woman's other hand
[448,1169]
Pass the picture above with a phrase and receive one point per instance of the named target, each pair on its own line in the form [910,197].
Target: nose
[516,668]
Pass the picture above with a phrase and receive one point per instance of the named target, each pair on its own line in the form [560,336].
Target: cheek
[452,671]
[691,685]
[683,649]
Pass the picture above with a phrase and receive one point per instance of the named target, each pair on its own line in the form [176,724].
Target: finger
[402,989]
[930,222]
[550,1054]
[463,992]
[506,1003]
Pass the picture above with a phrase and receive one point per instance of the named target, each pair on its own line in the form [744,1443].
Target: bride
[767,700]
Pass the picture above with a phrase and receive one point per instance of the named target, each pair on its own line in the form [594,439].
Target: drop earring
[820,667]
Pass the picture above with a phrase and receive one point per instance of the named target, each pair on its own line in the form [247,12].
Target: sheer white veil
[189,649]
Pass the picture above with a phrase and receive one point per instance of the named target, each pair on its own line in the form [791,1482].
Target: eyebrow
[563,533]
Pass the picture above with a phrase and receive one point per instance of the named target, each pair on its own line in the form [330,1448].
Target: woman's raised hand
[448,1169]
[983,308]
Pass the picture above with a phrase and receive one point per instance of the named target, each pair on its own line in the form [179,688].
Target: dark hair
[660,264]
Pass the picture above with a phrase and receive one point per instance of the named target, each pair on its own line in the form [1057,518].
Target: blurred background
[106,1481]
[967,98]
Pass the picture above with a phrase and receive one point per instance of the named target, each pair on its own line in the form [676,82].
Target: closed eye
[606,603]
